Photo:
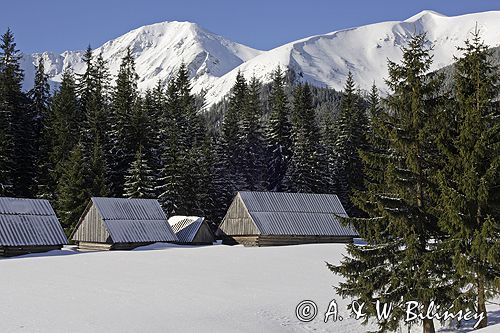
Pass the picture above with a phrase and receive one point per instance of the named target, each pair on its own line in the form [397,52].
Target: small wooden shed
[119,224]
[27,226]
[274,218]
[192,230]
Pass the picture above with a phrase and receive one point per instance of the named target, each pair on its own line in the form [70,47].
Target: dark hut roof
[276,213]
[134,220]
[29,222]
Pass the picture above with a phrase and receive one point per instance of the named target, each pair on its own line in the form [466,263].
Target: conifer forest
[417,167]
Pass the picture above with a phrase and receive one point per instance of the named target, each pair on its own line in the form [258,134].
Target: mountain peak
[425,13]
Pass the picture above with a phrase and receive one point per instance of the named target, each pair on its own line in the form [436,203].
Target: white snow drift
[165,288]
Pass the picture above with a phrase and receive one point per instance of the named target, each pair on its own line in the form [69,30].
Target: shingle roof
[29,222]
[134,220]
[276,213]
[185,227]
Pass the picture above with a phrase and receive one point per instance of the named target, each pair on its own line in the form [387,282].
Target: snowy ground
[175,289]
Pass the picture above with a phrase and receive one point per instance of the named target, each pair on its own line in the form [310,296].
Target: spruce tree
[16,124]
[351,129]
[230,153]
[252,140]
[97,144]
[40,101]
[72,196]
[86,81]
[170,180]
[278,133]
[140,180]
[64,125]
[123,101]
[469,182]
[154,105]
[304,173]
[400,261]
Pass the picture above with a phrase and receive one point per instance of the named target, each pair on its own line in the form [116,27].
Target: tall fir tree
[278,133]
[230,176]
[65,125]
[170,180]
[97,144]
[72,196]
[86,84]
[40,101]
[401,261]
[469,182]
[351,129]
[123,102]
[185,176]
[304,173]
[16,124]
[252,141]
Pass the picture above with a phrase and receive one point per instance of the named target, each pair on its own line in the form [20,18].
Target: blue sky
[58,25]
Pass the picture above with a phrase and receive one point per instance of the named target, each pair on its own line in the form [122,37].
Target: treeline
[95,137]
[431,191]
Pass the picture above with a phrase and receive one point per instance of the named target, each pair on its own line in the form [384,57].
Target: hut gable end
[238,220]
[91,227]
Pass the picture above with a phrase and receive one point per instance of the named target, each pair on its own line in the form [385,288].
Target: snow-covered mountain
[158,49]
[322,60]
[325,60]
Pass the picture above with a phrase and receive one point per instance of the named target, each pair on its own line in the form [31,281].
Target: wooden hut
[272,218]
[119,224]
[27,226]
[192,230]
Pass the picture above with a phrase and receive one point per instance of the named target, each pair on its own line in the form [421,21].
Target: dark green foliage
[140,180]
[40,102]
[304,172]
[185,177]
[65,123]
[72,196]
[16,125]
[469,207]
[230,153]
[93,88]
[252,143]
[401,260]
[351,130]
[124,99]
[278,133]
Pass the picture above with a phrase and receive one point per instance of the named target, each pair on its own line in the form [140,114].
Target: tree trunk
[428,323]
[481,302]
[481,298]
[429,326]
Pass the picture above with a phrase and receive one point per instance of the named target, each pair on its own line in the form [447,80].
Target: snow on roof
[134,220]
[186,227]
[26,222]
[277,213]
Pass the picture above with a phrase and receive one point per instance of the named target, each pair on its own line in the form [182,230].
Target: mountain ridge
[323,60]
